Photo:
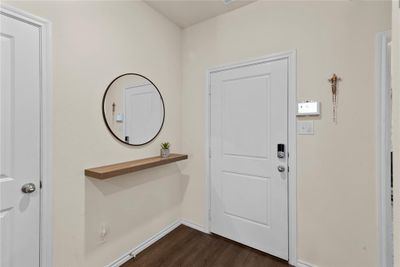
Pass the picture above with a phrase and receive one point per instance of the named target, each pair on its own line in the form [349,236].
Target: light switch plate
[305,127]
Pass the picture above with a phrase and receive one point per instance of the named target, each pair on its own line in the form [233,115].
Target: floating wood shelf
[109,171]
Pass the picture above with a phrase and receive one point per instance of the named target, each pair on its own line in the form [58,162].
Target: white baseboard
[145,244]
[301,263]
[194,226]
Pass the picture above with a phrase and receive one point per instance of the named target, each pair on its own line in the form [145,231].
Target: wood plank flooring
[186,247]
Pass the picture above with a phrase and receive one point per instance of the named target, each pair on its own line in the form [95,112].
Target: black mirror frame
[104,114]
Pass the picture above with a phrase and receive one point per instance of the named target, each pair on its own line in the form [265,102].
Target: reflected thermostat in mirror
[133,109]
[119,117]
[308,108]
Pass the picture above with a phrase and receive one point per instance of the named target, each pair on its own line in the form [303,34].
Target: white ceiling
[188,12]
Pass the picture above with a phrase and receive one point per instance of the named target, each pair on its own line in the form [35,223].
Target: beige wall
[94,42]
[337,194]
[396,126]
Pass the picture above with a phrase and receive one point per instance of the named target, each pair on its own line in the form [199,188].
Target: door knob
[281,168]
[28,188]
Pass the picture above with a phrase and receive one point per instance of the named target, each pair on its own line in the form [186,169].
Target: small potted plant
[164,152]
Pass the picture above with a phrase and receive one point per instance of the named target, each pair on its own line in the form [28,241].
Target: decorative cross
[333,82]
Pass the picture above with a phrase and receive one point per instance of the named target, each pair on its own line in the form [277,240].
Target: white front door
[19,143]
[143,113]
[249,195]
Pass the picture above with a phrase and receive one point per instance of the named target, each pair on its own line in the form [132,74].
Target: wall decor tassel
[333,80]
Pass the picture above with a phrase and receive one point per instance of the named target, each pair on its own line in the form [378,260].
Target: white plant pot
[164,153]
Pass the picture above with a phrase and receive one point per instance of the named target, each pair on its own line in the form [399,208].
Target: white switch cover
[305,127]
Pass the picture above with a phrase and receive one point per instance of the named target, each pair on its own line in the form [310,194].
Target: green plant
[165,145]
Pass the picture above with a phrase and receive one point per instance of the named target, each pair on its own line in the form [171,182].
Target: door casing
[383,143]
[46,198]
[292,159]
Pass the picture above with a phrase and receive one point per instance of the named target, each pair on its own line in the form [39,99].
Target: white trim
[194,226]
[145,244]
[301,263]
[292,139]
[383,146]
[292,159]
[207,134]
[46,232]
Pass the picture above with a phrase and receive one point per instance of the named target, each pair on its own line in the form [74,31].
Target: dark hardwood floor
[188,247]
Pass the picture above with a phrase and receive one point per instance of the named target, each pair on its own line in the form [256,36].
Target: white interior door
[19,143]
[143,113]
[249,195]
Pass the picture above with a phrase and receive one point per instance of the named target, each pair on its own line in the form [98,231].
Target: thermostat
[119,117]
[308,108]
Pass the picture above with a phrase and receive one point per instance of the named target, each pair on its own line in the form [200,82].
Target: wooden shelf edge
[108,171]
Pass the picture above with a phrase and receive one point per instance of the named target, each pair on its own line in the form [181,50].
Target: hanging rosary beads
[333,82]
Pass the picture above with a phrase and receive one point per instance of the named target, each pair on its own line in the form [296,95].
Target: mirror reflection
[133,109]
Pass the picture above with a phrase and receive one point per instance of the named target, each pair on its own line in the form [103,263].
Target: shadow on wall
[127,203]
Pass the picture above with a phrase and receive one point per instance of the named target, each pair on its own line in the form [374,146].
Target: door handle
[28,188]
[281,168]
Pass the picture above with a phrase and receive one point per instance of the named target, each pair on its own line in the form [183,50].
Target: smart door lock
[281,151]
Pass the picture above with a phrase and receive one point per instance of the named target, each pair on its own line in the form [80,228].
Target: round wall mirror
[133,109]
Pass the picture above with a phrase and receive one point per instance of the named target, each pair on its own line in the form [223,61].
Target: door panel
[246,197]
[239,122]
[19,143]
[248,121]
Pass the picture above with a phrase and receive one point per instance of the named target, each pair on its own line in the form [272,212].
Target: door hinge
[40,185]
[288,169]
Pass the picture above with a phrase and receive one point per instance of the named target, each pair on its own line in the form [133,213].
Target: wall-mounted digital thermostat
[308,108]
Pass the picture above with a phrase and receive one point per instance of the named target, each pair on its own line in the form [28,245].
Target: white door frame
[383,143]
[292,159]
[46,218]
